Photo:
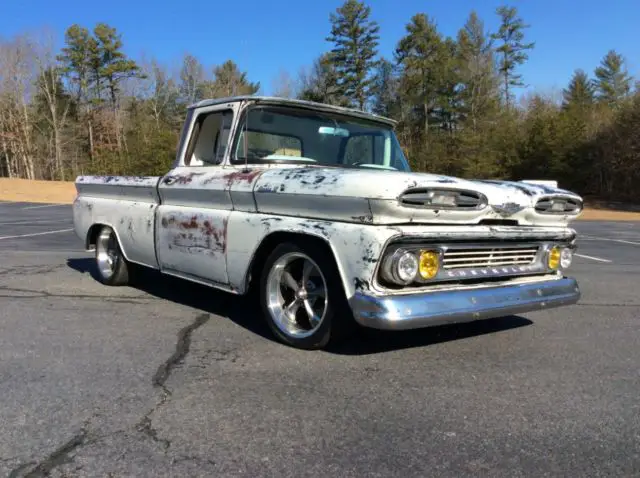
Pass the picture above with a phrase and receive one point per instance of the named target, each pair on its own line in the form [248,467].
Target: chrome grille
[484,257]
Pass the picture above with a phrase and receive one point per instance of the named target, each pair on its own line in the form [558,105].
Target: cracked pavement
[170,378]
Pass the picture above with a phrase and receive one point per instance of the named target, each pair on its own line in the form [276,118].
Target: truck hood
[393,197]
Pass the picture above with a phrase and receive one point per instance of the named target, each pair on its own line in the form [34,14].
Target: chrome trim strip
[411,311]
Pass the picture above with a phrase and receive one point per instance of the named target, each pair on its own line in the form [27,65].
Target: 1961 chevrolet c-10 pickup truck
[314,208]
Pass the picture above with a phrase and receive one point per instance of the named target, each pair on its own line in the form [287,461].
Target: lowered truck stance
[314,208]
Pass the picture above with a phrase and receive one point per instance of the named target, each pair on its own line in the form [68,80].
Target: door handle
[169,180]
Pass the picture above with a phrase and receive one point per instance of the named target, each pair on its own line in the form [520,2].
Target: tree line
[89,109]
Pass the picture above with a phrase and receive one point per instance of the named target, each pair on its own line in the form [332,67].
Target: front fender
[356,247]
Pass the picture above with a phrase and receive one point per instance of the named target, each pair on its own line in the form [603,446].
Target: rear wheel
[112,266]
[302,297]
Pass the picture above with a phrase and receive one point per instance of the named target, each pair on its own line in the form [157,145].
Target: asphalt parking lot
[173,379]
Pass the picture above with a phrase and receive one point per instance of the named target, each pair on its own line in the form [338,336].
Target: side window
[210,139]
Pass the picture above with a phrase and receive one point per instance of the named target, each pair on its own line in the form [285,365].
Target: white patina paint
[343,194]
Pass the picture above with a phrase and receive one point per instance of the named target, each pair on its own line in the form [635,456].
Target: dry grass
[57,192]
[52,192]
[591,214]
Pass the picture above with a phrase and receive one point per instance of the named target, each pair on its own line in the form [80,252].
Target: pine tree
[321,85]
[612,79]
[478,79]
[228,80]
[421,54]
[512,51]
[580,92]
[113,65]
[74,60]
[355,39]
[385,90]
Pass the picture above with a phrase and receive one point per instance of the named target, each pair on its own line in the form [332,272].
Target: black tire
[337,323]
[107,243]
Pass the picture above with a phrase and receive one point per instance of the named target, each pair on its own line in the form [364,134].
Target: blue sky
[266,37]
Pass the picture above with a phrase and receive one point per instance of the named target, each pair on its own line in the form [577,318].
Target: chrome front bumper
[412,311]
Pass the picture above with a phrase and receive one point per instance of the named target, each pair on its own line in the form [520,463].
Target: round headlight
[406,267]
[554,258]
[566,257]
[429,264]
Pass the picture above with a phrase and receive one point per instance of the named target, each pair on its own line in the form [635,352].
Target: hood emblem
[507,209]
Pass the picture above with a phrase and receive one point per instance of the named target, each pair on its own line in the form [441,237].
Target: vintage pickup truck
[314,208]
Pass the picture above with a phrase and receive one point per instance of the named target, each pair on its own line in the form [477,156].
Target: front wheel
[112,266]
[302,297]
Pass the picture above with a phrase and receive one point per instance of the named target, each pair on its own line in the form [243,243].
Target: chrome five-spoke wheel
[300,293]
[297,295]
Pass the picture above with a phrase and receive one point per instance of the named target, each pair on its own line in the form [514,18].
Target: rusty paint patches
[119,180]
[241,176]
[225,228]
[219,236]
[361,284]
[269,188]
[191,224]
[208,229]
[324,228]
[446,181]
[365,219]
[312,177]
[369,256]
[310,184]
[196,233]
[269,222]
[183,179]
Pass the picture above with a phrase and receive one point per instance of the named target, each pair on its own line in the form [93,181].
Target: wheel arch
[271,240]
[92,237]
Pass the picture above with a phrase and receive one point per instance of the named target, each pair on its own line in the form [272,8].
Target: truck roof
[274,100]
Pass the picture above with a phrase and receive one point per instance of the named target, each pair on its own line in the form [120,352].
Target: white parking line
[28,223]
[45,205]
[36,234]
[592,258]
[612,240]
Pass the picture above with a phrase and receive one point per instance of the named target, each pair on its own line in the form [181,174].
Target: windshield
[284,134]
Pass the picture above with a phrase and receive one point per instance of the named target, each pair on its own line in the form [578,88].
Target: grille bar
[479,258]
[495,253]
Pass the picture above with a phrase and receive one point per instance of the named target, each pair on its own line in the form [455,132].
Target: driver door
[191,225]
